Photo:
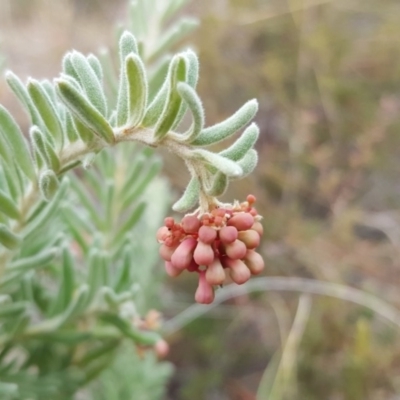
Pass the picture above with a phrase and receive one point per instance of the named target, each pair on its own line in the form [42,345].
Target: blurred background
[327,76]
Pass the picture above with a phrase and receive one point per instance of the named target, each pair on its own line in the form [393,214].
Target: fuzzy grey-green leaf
[84,111]
[195,106]
[242,145]
[189,198]
[47,111]
[9,239]
[225,165]
[224,129]
[44,148]
[248,162]
[8,206]
[11,131]
[89,82]
[48,184]
[137,89]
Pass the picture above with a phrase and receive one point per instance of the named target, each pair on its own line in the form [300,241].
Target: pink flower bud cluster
[214,244]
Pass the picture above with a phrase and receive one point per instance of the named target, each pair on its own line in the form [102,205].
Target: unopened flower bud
[228,234]
[241,221]
[235,250]
[257,226]
[183,255]
[162,234]
[237,270]
[203,254]
[207,234]
[254,262]
[171,270]
[250,238]
[166,252]
[161,348]
[205,292]
[215,274]
[191,224]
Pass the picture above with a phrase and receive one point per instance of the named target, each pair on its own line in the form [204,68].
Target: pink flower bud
[242,221]
[162,234]
[190,224]
[215,274]
[205,292]
[257,226]
[250,238]
[166,252]
[237,270]
[207,234]
[161,348]
[235,250]
[228,234]
[204,254]
[183,255]
[254,262]
[171,270]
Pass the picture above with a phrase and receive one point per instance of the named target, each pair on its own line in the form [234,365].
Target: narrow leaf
[219,185]
[195,106]
[225,165]
[243,144]
[137,89]
[20,150]
[9,239]
[248,162]
[22,94]
[189,198]
[84,111]
[96,66]
[131,221]
[223,130]
[89,82]
[8,206]
[45,149]
[48,184]
[47,111]
[173,103]
[32,262]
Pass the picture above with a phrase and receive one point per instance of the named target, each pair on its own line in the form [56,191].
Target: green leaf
[96,66]
[127,45]
[223,130]
[89,82]
[22,94]
[225,165]
[48,211]
[8,206]
[17,142]
[32,262]
[9,239]
[12,310]
[140,184]
[48,184]
[70,128]
[248,162]
[191,79]
[195,106]
[147,338]
[44,149]
[219,185]
[243,144]
[96,273]
[84,111]
[67,282]
[68,67]
[47,111]
[131,221]
[177,73]
[189,198]
[137,89]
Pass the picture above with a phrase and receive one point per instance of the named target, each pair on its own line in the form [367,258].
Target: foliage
[76,252]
